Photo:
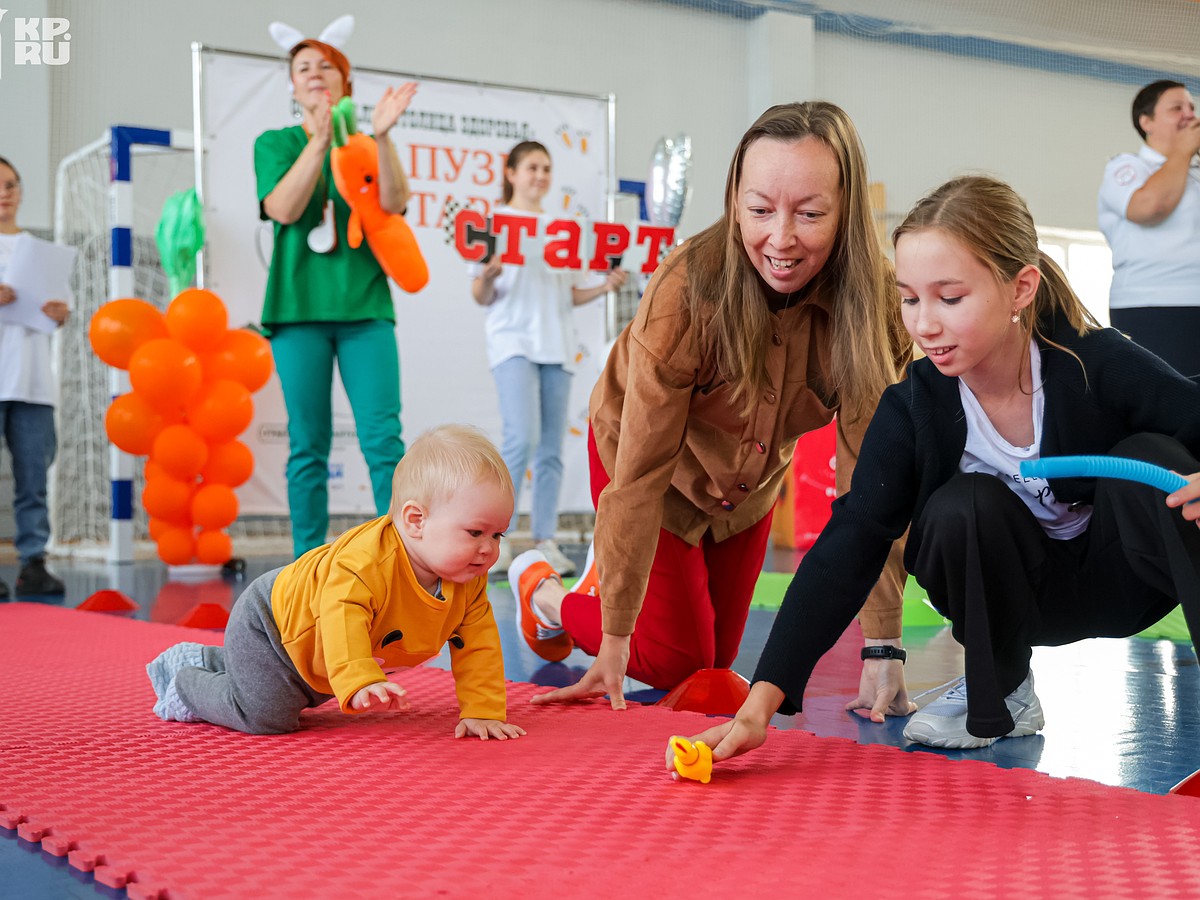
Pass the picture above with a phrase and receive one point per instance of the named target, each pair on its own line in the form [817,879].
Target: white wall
[25,137]
[672,70]
[924,116]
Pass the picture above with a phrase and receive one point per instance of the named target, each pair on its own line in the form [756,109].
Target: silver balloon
[667,186]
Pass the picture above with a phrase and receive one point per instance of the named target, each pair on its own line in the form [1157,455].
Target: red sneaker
[528,571]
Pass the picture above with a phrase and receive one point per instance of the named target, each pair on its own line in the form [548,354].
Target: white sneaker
[943,723]
[558,560]
[505,559]
[589,579]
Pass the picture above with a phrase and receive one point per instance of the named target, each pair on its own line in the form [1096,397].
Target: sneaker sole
[553,649]
[1036,721]
[1031,722]
[919,735]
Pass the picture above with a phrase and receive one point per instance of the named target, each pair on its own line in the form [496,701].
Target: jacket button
[742,487]
[726,505]
[770,398]
[760,447]
[776,340]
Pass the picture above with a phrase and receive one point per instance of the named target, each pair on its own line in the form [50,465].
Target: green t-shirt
[343,285]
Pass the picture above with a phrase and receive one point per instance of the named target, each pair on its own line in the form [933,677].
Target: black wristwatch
[885,652]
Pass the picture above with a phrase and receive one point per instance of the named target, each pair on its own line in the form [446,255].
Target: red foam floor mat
[393,805]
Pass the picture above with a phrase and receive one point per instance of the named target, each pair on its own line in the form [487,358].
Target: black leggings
[1006,587]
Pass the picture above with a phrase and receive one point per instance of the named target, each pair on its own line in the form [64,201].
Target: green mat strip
[918,613]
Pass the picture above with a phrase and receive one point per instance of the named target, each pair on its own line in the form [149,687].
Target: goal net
[81,500]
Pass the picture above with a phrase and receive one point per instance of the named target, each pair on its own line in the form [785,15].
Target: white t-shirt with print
[531,313]
[25,370]
[989,453]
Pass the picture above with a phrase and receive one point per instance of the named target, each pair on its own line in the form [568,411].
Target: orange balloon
[213,547]
[180,451]
[153,471]
[230,463]
[243,356]
[132,424]
[119,327]
[156,527]
[214,506]
[166,373]
[197,318]
[176,546]
[220,411]
[168,499]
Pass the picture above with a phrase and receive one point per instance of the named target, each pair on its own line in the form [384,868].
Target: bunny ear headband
[330,42]
[336,33]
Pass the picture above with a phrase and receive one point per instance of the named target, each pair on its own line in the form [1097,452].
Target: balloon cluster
[192,378]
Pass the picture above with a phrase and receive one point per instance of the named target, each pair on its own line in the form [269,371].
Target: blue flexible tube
[1103,467]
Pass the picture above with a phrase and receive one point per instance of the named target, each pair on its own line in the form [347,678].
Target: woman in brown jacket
[759,329]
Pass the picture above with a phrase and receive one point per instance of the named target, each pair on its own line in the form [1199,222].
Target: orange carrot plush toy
[355,165]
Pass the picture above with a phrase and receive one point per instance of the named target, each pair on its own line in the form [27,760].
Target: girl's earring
[1016,317]
[296,111]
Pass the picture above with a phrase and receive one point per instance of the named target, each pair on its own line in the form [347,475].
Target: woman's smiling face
[789,204]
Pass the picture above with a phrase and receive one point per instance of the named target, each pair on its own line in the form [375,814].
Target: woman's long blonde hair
[727,300]
[991,220]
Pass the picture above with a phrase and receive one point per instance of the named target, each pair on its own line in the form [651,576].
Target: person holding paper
[27,394]
[531,350]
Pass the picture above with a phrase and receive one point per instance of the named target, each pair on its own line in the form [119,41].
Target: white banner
[451,144]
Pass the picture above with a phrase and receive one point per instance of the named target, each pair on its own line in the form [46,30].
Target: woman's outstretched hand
[881,691]
[606,676]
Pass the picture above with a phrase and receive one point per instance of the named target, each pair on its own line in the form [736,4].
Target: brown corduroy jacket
[683,457]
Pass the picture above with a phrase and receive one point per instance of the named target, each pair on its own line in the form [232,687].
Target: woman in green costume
[326,301]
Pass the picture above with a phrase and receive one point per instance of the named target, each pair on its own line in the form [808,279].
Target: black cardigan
[913,446]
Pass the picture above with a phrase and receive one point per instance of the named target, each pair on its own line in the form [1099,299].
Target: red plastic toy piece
[107,601]
[714,692]
[206,615]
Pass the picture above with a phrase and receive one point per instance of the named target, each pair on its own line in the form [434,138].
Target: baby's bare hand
[488,728]
[380,695]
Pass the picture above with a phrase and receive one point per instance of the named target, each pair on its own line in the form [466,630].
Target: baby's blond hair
[444,460]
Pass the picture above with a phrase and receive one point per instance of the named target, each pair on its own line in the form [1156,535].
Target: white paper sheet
[37,271]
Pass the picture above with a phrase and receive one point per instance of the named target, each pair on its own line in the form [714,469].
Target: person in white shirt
[1149,210]
[27,394]
[531,348]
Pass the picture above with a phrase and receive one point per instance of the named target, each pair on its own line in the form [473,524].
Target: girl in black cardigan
[1015,369]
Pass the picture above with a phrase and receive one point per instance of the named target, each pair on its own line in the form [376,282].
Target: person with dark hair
[1149,210]
[531,350]
[326,301]
[775,319]
[27,396]
[1015,370]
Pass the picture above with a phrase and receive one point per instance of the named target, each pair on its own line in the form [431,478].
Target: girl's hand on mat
[1186,497]
[881,691]
[380,695]
[747,730]
[606,676]
[732,738]
[487,728]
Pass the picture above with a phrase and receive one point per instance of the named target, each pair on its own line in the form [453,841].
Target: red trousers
[696,603]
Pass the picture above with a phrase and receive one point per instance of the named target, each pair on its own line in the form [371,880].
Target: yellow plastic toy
[692,761]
